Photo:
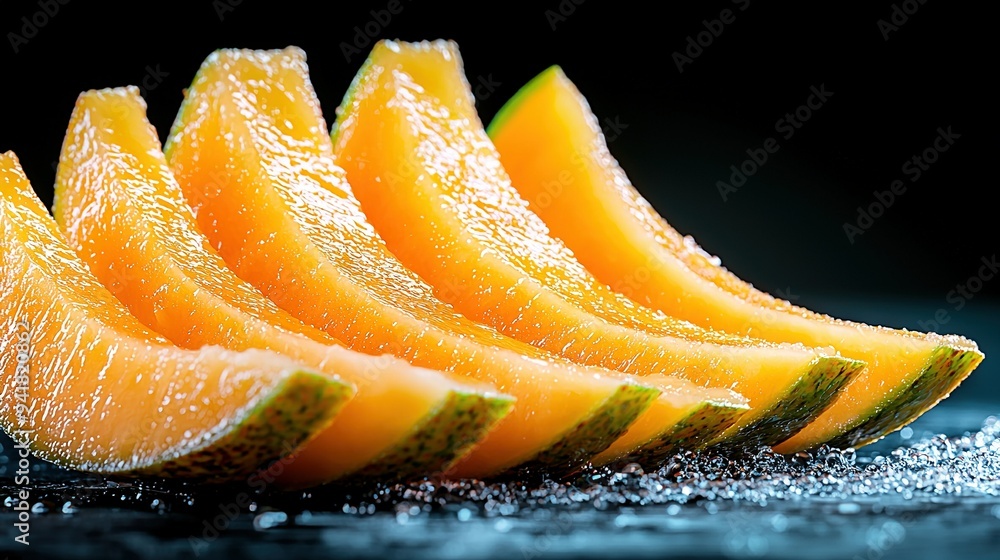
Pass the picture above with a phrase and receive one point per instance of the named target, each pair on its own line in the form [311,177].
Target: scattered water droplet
[269,519]
[848,508]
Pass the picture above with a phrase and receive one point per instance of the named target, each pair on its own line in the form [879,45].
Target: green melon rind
[597,432]
[699,429]
[514,103]
[442,438]
[802,403]
[348,99]
[294,411]
[946,369]
[706,421]
[183,118]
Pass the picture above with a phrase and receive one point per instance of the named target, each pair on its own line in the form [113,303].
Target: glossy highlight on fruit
[100,392]
[249,149]
[431,182]
[552,146]
[122,210]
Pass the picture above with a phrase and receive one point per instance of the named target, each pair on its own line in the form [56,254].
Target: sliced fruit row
[246,137]
[123,212]
[406,314]
[430,182]
[547,135]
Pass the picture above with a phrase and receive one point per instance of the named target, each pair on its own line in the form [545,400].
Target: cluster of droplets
[935,467]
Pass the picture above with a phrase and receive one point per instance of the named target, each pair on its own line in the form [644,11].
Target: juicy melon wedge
[122,210]
[552,146]
[103,393]
[250,151]
[430,181]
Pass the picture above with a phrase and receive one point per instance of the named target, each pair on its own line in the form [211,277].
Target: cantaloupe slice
[88,387]
[249,150]
[430,181]
[122,210]
[552,146]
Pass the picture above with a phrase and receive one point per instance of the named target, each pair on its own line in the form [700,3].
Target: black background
[783,229]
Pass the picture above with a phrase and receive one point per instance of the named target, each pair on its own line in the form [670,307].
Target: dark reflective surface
[912,495]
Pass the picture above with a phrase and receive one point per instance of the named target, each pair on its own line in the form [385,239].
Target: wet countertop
[916,494]
[929,491]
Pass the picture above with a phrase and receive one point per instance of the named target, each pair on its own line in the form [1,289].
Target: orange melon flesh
[431,183]
[249,150]
[103,393]
[552,146]
[122,210]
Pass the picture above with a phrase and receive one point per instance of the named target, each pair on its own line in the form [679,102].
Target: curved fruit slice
[431,183]
[88,387]
[553,148]
[122,210]
[692,420]
[249,150]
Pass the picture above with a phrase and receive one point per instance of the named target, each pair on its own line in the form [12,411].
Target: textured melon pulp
[430,181]
[250,152]
[122,210]
[552,146]
[88,387]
